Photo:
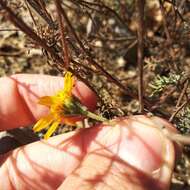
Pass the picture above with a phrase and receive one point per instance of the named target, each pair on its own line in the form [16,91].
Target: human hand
[133,154]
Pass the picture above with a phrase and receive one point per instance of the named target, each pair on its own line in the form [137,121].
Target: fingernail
[146,148]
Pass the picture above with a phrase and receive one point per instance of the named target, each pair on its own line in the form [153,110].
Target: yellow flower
[62,108]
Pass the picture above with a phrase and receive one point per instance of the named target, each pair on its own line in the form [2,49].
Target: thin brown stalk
[43,6]
[131,46]
[163,98]
[30,12]
[182,139]
[178,107]
[39,7]
[14,54]
[65,50]
[175,137]
[140,50]
[9,30]
[186,84]
[102,8]
[177,111]
[176,9]
[168,93]
[164,21]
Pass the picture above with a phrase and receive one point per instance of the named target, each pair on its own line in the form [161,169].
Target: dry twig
[164,21]
[63,38]
[140,50]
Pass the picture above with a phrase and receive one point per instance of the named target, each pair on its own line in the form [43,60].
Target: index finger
[19,95]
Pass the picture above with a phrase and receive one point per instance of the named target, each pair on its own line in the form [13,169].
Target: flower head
[62,108]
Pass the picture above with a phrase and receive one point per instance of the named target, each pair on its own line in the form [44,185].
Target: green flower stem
[95,117]
[80,109]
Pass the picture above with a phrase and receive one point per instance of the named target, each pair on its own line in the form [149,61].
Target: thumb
[132,154]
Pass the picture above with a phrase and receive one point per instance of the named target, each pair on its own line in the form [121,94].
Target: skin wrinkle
[92,152]
[56,147]
[96,173]
[83,147]
[9,166]
[32,91]
[93,146]
[19,100]
[116,176]
[77,141]
[7,177]
[105,177]
[26,107]
[18,176]
[21,82]
[45,84]
[134,176]
[39,170]
[11,178]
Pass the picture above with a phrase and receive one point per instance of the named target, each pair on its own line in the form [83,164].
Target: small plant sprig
[64,108]
[161,82]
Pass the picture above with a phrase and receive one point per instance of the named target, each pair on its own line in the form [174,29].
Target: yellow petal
[51,130]
[46,100]
[68,82]
[43,123]
[68,85]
